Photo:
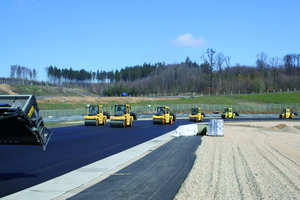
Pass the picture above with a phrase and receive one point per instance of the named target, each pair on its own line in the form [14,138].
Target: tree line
[21,72]
[214,75]
[65,75]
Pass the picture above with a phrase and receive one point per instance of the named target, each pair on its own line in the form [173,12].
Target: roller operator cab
[287,114]
[228,114]
[163,116]
[95,116]
[122,116]
[196,115]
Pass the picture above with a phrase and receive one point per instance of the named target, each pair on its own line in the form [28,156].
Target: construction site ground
[254,160]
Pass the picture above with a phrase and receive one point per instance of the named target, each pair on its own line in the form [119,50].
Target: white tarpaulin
[216,127]
[186,130]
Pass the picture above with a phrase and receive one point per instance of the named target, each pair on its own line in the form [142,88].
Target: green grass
[271,98]
[46,90]
[59,106]
[195,100]
[62,124]
[277,98]
[3,92]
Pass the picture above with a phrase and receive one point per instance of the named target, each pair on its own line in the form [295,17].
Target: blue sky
[111,34]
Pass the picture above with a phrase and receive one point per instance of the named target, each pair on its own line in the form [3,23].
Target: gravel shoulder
[254,160]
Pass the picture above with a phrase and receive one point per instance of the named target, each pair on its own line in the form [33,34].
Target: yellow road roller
[196,115]
[122,116]
[163,116]
[20,122]
[96,116]
[287,114]
[228,114]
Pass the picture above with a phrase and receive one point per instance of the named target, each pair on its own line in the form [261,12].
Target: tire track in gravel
[237,177]
[280,153]
[253,184]
[280,173]
[246,164]
[266,147]
[280,156]
[219,171]
[211,175]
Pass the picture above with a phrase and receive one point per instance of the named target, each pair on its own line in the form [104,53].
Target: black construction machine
[20,123]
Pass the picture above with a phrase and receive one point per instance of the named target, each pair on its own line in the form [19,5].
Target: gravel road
[254,160]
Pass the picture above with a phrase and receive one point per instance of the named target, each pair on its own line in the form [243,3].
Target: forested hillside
[215,75]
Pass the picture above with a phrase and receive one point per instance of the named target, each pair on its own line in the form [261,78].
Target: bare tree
[19,71]
[30,74]
[34,74]
[289,61]
[274,63]
[13,70]
[210,59]
[297,57]
[220,61]
[261,62]
[227,61]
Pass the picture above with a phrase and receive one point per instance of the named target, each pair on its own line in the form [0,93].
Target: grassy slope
[3,92]
[61,106]
[291,97]
[48,90]
[280,98]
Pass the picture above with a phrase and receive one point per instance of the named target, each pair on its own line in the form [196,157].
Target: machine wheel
[174,116]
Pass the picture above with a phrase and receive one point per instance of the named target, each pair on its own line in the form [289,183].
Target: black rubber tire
[133,115]
[174,116]
[107,114]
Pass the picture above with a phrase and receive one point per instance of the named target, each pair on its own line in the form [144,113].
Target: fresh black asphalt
[158,175]
[70,148]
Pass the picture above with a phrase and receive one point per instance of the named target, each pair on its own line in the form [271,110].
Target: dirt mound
[6,88]
[285,128]
[280,126]
[290,129]
[297,127]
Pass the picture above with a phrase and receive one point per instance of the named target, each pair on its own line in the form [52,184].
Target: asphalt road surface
[158,175]
[70,148]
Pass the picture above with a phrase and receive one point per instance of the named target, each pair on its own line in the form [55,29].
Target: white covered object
[186,130]
[216,127]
